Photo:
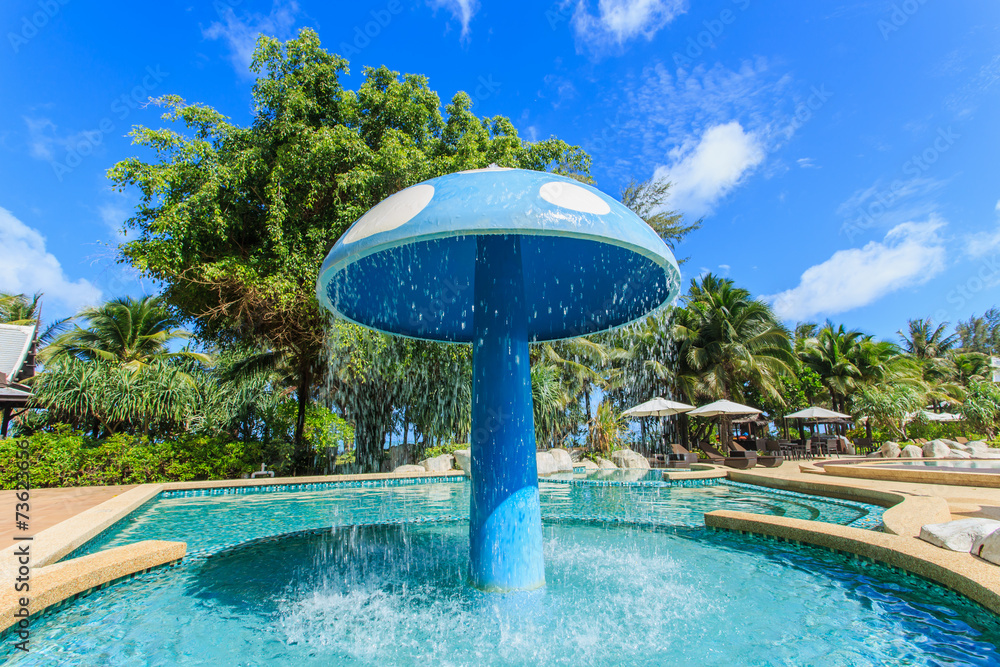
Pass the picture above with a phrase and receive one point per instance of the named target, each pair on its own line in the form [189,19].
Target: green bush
[66,458]
[431,452]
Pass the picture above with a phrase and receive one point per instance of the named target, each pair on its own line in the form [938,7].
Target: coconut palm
[18,310]
[124,331]
[925,341]
[729,341]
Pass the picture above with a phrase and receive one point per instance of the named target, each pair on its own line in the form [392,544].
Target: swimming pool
[372,575]
[210,520]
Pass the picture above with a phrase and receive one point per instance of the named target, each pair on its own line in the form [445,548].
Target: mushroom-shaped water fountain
[499,258]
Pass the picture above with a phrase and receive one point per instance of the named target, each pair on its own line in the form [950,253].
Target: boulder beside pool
[463,459]
[441,463]
[935,449]
[911,452]
[958,535]
[564,462]
[604,464]
[409,470]
[890,450]
[546,464]
[626,458]
[987,547]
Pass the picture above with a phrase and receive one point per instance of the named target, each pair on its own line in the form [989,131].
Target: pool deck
[64,519]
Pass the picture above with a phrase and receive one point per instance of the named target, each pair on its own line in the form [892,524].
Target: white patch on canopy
[391,212]
[573,197]
[490,168]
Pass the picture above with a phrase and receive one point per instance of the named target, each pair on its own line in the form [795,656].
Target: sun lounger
[766,460]
[717,457]
[680,457]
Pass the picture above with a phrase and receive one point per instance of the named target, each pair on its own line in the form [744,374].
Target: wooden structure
[18,347]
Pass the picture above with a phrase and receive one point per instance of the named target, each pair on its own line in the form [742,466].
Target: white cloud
[806,163]
[462,10]
[618,21]
[910,254]
[980,244]
[28,268]
[704,172]
[240,33]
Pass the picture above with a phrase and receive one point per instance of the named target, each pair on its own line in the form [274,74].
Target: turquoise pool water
[631,579]
[209,522]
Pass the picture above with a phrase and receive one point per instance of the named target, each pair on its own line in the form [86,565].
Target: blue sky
[843,154]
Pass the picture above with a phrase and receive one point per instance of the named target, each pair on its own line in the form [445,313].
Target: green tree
[925,341]
[980,334]
[648,200]
[129,332]
[729,341]
[235,221]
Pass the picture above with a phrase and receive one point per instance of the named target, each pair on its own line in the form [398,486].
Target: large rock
[952,444]
[587,465]
[935,449]
[441,463]
[978,449]
[409,470]
[874,455]
[958,535]
[463,459]
[890,450]
[911,452]
[604,464]
[958,454]
[546,463]
[626,458]
[987,547]
[564,462]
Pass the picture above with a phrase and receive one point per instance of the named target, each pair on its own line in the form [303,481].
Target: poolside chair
[718,458]
[680,457]
[766,460]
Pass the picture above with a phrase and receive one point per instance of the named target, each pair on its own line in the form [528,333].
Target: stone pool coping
[54,582]
[879,469]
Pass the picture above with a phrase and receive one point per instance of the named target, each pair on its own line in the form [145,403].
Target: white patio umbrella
[658,407]
[938,416]
[815,412]
[723,407]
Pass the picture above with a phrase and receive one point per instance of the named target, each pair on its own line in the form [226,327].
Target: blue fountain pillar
[505,523]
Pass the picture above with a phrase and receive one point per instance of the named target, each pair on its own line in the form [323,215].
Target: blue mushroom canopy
[407,267]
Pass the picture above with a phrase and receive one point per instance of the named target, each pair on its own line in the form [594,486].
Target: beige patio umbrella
[658,407]
[721,409]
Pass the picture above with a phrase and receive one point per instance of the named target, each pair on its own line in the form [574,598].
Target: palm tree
[848,359]
[925,341]
[125,331]
[729,342]
[16,309]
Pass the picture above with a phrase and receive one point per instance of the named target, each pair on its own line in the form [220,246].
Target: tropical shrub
[67,458]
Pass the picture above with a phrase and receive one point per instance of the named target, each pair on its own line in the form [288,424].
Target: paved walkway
[51,506]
